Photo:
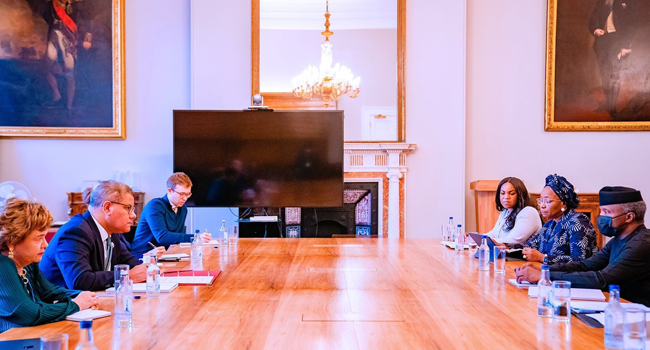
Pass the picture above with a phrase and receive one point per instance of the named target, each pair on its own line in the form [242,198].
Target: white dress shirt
[104,234]
[527,223]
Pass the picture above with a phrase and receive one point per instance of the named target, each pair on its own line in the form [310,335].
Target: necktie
[109,254]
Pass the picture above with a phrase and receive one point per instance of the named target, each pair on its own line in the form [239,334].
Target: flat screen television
[261,158]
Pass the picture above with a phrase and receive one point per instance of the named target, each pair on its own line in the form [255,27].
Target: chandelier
[325,82]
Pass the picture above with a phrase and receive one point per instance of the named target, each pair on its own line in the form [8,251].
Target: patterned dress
[570,238]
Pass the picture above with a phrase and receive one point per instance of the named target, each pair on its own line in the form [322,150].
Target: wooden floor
[337,293]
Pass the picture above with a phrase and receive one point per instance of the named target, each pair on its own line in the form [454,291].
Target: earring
[562,209]
[11,253]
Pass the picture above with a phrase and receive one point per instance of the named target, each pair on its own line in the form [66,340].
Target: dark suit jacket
[624,14]
[75,257]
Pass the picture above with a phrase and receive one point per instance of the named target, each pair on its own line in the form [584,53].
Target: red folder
[190,273]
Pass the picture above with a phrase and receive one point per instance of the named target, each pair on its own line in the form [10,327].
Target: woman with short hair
[27,298]
[518,218]
[567,234]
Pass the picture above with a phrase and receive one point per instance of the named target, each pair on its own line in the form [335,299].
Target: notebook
[165,287]
[190,277]
[87,315]
[576,294]
[21,344]
[522,285]
[599,306]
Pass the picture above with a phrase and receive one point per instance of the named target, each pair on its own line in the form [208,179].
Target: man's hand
[599,32]
[624,53]
[87,45]
[206,237]
[159,251]
[529,274]
[87,300]
[138,274]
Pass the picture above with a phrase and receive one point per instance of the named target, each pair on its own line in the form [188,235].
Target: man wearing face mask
[624,261]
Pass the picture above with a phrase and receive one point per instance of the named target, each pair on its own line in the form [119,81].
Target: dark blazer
[624,14]
[75,257]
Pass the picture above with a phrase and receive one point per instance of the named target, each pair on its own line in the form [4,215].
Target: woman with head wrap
[567,235]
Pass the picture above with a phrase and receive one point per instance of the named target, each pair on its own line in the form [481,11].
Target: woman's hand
[87,300]
[533,255]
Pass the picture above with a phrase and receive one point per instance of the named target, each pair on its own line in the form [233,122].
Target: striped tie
[109,254]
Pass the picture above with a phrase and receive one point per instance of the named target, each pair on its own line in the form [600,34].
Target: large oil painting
[598,65]
[62,69]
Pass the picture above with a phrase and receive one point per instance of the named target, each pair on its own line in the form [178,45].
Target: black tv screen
[261,158]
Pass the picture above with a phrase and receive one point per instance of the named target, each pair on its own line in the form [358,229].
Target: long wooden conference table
[337,293]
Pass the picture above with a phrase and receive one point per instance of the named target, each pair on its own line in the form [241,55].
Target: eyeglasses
[545,201]
[183,194]
[128,207]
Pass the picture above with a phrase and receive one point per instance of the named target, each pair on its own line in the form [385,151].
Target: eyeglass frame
[546,201]
[128,207]
[185,195]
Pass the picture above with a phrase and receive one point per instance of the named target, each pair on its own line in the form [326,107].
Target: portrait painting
[62,69]
[598,65]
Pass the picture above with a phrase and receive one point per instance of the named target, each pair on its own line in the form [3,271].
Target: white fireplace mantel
[386,158]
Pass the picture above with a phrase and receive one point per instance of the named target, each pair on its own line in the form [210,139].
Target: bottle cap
[614,287]
[197,231]
[459,225]
[484,236]
[86,324]
[451,218]
[545,267]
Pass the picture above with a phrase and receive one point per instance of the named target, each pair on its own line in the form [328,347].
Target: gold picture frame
[288,100]
[91,112]
[573,57]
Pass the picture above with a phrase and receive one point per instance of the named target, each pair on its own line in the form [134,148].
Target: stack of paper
[522,285]
[174,256]
[576,294]
[87,315]
[599,306]
[165,287]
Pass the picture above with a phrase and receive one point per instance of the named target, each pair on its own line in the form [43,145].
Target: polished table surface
[340,293]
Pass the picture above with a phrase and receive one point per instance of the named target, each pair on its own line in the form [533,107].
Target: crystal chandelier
[325,82]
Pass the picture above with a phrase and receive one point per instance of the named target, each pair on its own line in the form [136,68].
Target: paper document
[187,279]
[599,306]
[522,285]
[86,315]
[576,294]
[175,256]
[164,287]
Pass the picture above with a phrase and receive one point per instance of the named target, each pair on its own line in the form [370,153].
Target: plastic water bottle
[124,300]
[86,341]
[450,230]
[460,240]
[197,252]
[223,234]
[614,319]
[153,278]
[544,307]
[484,255]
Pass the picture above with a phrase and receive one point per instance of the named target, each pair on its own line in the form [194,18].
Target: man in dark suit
[83,252]
[612,24]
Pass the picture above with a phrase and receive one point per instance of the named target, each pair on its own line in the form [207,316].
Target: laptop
[511,254]
[22,344]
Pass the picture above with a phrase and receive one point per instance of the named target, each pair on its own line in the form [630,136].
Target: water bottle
[86,341]
[614,319]
[460,240]
[544,307]
[223,234]
[450,230]
[124,300]
[153,278]
[196,252]
[484,255]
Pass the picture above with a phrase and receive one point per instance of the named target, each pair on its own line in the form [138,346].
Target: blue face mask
[605,225]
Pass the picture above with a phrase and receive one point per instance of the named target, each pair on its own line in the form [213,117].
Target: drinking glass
[634,336]
[55,342]
[233,235]
[499,259]
[561,300]
[124,303]
[120,272]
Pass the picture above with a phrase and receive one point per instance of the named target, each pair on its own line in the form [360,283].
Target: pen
[151,244]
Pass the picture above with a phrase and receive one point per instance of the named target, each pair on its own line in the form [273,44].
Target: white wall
[157,81]
[505,112]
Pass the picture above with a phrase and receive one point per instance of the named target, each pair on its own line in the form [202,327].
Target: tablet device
[477,237]
[22,344]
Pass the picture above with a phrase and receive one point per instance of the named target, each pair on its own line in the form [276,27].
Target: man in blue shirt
[163,219]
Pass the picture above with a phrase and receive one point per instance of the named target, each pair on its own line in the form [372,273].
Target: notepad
[522,285]
[576,294]
[190,278]
[599,306]
[87,315]
[165,287]
[174,256]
